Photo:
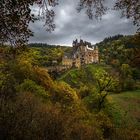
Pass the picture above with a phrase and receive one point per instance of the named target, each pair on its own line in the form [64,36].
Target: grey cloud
[71,25]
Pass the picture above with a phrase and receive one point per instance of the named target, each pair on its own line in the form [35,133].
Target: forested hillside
[87,103]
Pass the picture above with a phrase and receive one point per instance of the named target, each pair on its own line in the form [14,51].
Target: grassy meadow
[126,108]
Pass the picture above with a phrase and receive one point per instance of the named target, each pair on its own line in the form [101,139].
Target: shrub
[42,78]
[105,123]
[125,134]
[84,91]
[64,94]
[92,100]
[32,87]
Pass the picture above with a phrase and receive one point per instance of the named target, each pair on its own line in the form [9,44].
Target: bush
[32,87]
[7,82]
[42,78]
[105,124]
[84,91]
[125,134]
[92,101]
[64,94]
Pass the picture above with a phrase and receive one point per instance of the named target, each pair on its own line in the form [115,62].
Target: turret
[81,42]
[75,43]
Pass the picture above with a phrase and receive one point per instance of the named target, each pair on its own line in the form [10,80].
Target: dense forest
[94,102]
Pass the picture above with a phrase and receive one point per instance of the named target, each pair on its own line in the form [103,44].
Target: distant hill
[38,45]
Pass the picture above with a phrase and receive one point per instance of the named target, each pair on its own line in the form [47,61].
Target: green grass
[125,108]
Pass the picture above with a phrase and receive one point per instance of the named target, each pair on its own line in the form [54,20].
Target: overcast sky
[71,25]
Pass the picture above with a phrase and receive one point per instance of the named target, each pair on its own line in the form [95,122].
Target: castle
[82,53]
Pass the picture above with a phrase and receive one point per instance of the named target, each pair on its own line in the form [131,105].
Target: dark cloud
[71,25]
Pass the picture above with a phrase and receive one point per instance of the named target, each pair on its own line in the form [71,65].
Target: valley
[91,100]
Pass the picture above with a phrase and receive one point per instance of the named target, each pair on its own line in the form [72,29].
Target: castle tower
[96,52]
